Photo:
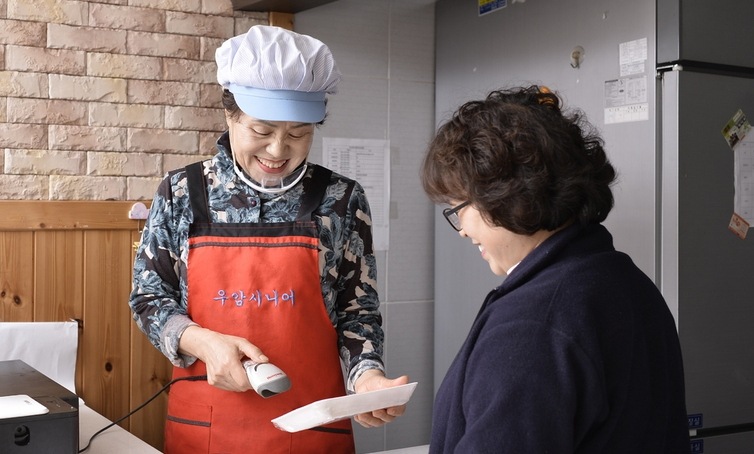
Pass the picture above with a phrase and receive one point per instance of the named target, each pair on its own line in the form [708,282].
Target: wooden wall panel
[58,275]
[58,280]
[107,321]
[150,372]
[66,215]
[73,260]
[16,277]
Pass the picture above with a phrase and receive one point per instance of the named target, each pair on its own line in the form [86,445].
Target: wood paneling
[58,289]
[106,333]
[63,260]
[16,277]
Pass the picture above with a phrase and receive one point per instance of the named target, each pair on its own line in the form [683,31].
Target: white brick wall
[99,99]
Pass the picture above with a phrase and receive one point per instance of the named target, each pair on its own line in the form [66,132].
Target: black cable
[190,378]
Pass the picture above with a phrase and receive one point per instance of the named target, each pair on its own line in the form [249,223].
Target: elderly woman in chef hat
[257,254]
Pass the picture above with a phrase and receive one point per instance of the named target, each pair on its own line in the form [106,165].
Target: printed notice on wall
[626,100]
[368,162]
[736,133]
[633,57]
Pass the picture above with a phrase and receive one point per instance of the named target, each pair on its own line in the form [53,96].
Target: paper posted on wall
[736,134]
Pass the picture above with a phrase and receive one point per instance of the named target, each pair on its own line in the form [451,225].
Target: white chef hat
[278,75]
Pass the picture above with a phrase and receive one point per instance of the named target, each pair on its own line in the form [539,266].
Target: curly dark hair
[234,112]
[522,161]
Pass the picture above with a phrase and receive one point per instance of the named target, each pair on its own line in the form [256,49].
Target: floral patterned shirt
[346,258]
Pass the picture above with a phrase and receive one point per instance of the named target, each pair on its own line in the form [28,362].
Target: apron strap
[197,191]
[314,192]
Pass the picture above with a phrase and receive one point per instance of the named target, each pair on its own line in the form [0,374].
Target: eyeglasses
[451,214]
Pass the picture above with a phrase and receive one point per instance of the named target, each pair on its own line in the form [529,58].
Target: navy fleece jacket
[576,352]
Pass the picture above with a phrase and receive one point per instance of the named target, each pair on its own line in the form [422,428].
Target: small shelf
[282,6]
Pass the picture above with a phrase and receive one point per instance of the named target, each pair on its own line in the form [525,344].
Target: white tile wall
[409,351]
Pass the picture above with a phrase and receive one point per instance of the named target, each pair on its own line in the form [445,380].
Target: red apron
[261,282]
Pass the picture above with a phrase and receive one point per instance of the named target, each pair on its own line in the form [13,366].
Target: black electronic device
[53,430]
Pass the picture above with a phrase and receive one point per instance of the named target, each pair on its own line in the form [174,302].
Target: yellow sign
[488,6]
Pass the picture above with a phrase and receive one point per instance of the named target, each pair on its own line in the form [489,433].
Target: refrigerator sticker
[488,6]
[697,446]
[696,421]
[736,129]
[626,100]
[739,226]
[633,57]
[736,134]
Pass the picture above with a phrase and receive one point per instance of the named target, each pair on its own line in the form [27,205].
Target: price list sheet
[368,162]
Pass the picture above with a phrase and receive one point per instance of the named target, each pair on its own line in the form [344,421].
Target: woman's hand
[222,354]
[373,380]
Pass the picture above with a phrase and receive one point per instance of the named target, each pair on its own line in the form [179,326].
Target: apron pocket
[187,427]
[335,438]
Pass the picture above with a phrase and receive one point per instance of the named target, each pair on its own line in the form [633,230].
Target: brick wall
[98,99]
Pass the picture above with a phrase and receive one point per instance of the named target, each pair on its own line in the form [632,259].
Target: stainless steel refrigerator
[706,74]
[674,198]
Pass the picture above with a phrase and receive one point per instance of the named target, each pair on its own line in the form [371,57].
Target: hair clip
[546,96]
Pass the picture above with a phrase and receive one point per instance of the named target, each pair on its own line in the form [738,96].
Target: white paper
[743,202]
[626,100]
[49,347]
[632,56]
[368,162]
[326,411]
[737,133]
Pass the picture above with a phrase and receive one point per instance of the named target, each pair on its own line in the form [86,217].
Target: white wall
[385,50]
[530,43]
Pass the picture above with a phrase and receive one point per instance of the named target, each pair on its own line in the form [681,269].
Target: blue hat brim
[280,105]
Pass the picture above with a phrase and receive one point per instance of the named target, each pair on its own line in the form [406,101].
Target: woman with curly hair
[576,351]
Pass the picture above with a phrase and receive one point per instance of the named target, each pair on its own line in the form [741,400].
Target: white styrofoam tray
[334,409]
